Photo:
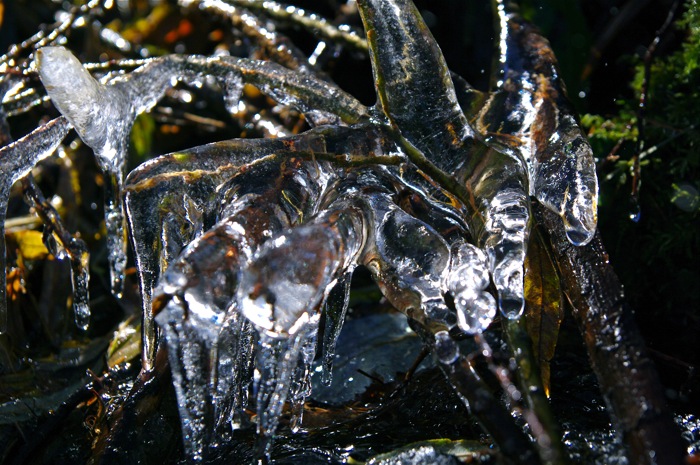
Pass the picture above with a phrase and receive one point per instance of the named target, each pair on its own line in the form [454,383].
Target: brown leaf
[543,304]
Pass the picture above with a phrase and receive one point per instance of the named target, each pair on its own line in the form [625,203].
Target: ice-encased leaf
[422,105]
[530,106]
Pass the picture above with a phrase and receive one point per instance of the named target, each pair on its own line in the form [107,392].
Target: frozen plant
[244,247]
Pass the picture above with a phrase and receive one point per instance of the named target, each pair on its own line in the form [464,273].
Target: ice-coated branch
[312,22]
[104,113]
[16,161]
[626,374]
[75,248]
[276,46]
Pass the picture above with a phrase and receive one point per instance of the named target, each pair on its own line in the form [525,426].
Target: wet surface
[244,251]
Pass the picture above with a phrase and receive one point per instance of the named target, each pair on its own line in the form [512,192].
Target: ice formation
[241,246]
[17,160]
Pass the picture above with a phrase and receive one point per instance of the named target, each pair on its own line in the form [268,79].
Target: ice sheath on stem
[16,161]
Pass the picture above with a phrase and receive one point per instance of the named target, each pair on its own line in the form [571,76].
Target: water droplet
[635,210]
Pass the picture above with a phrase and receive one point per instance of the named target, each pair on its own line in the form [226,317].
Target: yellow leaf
[31,245]
[543,304]
[126,343]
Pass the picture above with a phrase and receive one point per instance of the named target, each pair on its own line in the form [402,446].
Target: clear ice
[529,95]
[16,161]
[335,308]
[436,125]
[468,279]
[102,116]
[104,113]
[242,245]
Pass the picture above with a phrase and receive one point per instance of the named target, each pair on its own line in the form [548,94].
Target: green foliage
[657,253]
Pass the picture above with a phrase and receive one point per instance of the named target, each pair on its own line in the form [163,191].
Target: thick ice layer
[281,292]
[409,261]
[530,103]
[293,273]
[102,117]
[104,114]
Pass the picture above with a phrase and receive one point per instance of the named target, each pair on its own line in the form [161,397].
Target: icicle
[202,281]
[506,238]
[301,381]
[335,308]
[468,280]
[189,349]
[16,161]
[275,364]
[235,353]
[209,342]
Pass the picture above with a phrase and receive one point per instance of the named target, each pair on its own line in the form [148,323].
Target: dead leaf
[543,304]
